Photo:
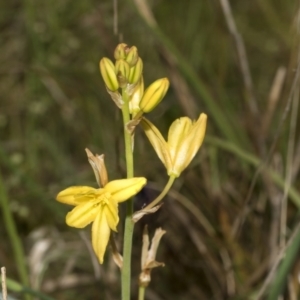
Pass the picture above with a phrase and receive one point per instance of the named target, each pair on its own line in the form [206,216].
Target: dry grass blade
[3,283]
[242,57]
[280,256]
[274,96]
[289,165]
[241,218]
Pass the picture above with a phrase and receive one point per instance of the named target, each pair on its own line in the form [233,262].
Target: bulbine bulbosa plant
[99,206]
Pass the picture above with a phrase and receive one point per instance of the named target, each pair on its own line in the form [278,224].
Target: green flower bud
[132,56]
[107,70]
[121,51]
[122,70]
[136,72]
[154,94]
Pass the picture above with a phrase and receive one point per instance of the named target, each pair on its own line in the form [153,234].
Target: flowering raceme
[100,207]
[184,140]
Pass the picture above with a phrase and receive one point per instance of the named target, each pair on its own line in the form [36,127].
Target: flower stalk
[13,236]
[162,194]
[99,206]
[129,225]
[142,292]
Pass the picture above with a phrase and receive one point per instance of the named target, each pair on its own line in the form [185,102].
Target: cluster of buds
[127,74]
[185,136]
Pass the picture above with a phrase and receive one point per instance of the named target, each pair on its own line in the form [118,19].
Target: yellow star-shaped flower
[100,207]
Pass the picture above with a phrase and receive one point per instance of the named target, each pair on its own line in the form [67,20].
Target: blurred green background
[225,221]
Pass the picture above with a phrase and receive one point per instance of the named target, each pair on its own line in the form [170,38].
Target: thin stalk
[142,290]
[221,120]
[162,194]
[13,236]
[16,287]
[128,231]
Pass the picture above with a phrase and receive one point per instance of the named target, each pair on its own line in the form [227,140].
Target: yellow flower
[100,207]
[184,140]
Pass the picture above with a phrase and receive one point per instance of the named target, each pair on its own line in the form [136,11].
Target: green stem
[128,231]
[142,290]
[18,288]
[162,194]
[13,236]
[127,136]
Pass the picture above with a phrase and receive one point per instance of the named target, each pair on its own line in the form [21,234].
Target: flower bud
[136,96]
[122,70]
[132,56]
[107,70]
[121,51]
[154,94]
[136,71]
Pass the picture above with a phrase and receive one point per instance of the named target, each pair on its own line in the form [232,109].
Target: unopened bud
[135,98]
[122,70]
[154,94]
[132,56]
[121,51]
[136,72]
[107,70]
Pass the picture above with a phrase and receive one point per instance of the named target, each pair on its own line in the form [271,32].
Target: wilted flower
[148,260]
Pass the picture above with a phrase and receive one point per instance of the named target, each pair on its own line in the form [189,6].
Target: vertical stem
[126,269]
[142,292]
[13,236]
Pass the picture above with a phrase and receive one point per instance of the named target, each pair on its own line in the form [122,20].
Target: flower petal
[123,189]
[158,142]
[189,146]
[100,235]
[111,212]
[83,214]
[177,133]
[76,195]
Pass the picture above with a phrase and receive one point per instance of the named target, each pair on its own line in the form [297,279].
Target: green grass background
[53,104]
